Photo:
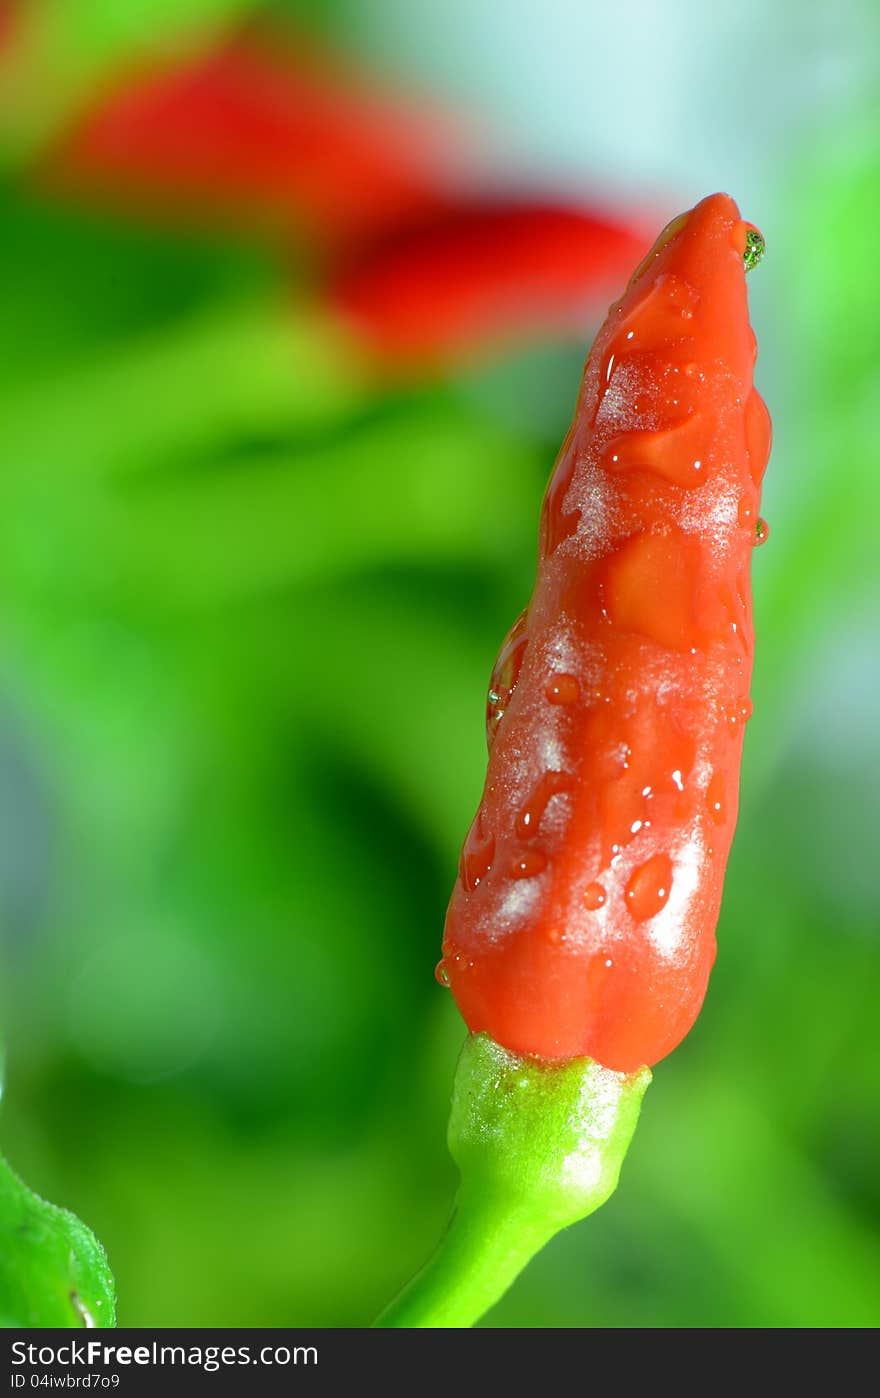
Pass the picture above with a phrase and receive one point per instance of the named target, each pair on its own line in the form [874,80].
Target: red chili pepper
[261,132]
[583,920]
[484,272]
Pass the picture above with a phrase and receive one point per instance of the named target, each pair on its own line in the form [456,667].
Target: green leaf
[53,1271]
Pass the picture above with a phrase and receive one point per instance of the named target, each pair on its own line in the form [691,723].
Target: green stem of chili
[539,1146]
[487,1243]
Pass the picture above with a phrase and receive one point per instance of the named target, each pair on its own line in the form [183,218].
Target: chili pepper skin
[484,272]
[583,919]
[259,131]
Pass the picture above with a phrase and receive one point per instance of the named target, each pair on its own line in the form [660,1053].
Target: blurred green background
[248,606]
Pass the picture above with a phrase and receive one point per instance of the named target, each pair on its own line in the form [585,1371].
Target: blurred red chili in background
[482,273]
[261,131]
[8,12]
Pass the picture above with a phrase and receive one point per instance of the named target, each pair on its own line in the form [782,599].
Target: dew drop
[745,515]
[441,975]
[551,784]
[759,432]
[594,896]
[677,781]
[505,675]
[715,799]
[648,889]
[762,532]
[476,856]
[528,864]
[754,249]
[563,689]
[740,713]
[558,524]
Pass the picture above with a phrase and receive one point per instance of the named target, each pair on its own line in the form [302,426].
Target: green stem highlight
[539,1145]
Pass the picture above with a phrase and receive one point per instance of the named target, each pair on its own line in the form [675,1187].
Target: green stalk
[485,1247]
[539,1146]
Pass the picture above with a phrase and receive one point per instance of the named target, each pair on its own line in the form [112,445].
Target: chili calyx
[539,1146]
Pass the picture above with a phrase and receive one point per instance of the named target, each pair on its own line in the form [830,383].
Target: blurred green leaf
[414,488]
[804,1257]
[823,554]
[178,392]
[76,287]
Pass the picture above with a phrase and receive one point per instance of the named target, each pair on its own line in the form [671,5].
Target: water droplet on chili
[594,896]
[528,864]
[648,889]
[563,689]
